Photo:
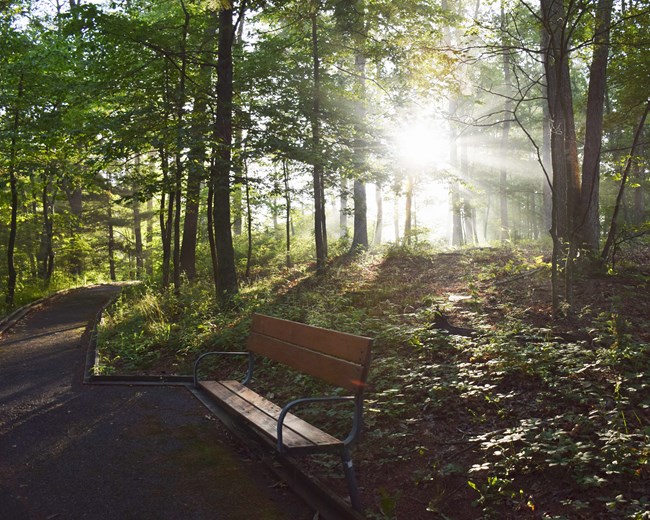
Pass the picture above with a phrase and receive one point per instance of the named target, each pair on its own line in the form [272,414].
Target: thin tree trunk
[318,174]
[505,133]
[396,215]
[287,199]
[613,227]
[149,238]
[13,185]
[360,234]
[180,123]
[457,237]
[249,223]
[408,211]
[211,241]
[46,252]
[639,200]
[165,216]
[111,232]
[137,233]
[237,188]
[75,199]
[343,211]
[379,225]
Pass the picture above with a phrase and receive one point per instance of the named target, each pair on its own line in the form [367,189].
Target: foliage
[509,417]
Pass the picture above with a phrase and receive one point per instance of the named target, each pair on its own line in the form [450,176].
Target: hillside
[480,405]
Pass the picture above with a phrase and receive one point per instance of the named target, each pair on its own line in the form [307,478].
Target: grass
[526,418]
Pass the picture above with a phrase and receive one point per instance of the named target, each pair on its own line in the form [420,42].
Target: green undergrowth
[515,416]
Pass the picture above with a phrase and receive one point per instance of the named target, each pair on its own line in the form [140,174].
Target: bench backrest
[338,358]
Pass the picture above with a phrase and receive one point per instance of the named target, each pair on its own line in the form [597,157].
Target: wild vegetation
[478,405]
[466,182]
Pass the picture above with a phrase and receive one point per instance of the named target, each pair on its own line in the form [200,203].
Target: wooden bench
[339,359]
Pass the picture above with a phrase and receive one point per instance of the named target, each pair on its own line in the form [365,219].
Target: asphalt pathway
[75,451]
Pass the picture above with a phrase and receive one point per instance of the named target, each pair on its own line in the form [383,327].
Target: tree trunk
[379,225]
[505,133]
[639,201]
[613,227]
[396,215]
[564,150]
[237,194]
[13,185]
[318,173]
[149,254]
[165,216]
[211,240]
[457,237]
[287,199]
[75,199]
[137,234]
[408,211]
[197,152]
[46,251]
[111,233]
[588,218]
[249,223]
[360,233]
[360,236]
[180,144]
[343,212]
[226,282]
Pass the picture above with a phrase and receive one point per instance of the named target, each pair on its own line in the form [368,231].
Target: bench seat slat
[315,435]
[263,414]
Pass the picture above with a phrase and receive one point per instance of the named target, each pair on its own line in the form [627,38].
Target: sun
[422,145]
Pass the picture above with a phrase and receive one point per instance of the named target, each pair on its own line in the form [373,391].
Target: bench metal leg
[351,478]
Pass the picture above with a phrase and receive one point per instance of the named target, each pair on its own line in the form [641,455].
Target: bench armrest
[356,421]
[247,377]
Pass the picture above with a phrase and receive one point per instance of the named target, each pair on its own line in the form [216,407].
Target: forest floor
[480,404]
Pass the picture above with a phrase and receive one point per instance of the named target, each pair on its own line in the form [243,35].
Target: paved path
[74,451]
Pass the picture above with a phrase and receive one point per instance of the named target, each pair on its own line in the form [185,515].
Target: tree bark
[379,225]
[226,282]
[408,211]
[149,238]
[137,235]
[343,210]
[13,185]
[46,251]
[613,227]
[320,232]
[165,215]
[287,200]
[197,152]
[178,162]
[588,219]
[111,233]
[564,151]
[360,233]
[360,236]
[74,194]
[505,133]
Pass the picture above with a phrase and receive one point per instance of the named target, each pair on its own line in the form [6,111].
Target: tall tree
[320,227]
[588,220]
[226,282]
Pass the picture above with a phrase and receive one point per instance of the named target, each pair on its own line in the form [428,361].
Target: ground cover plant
[480,405]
